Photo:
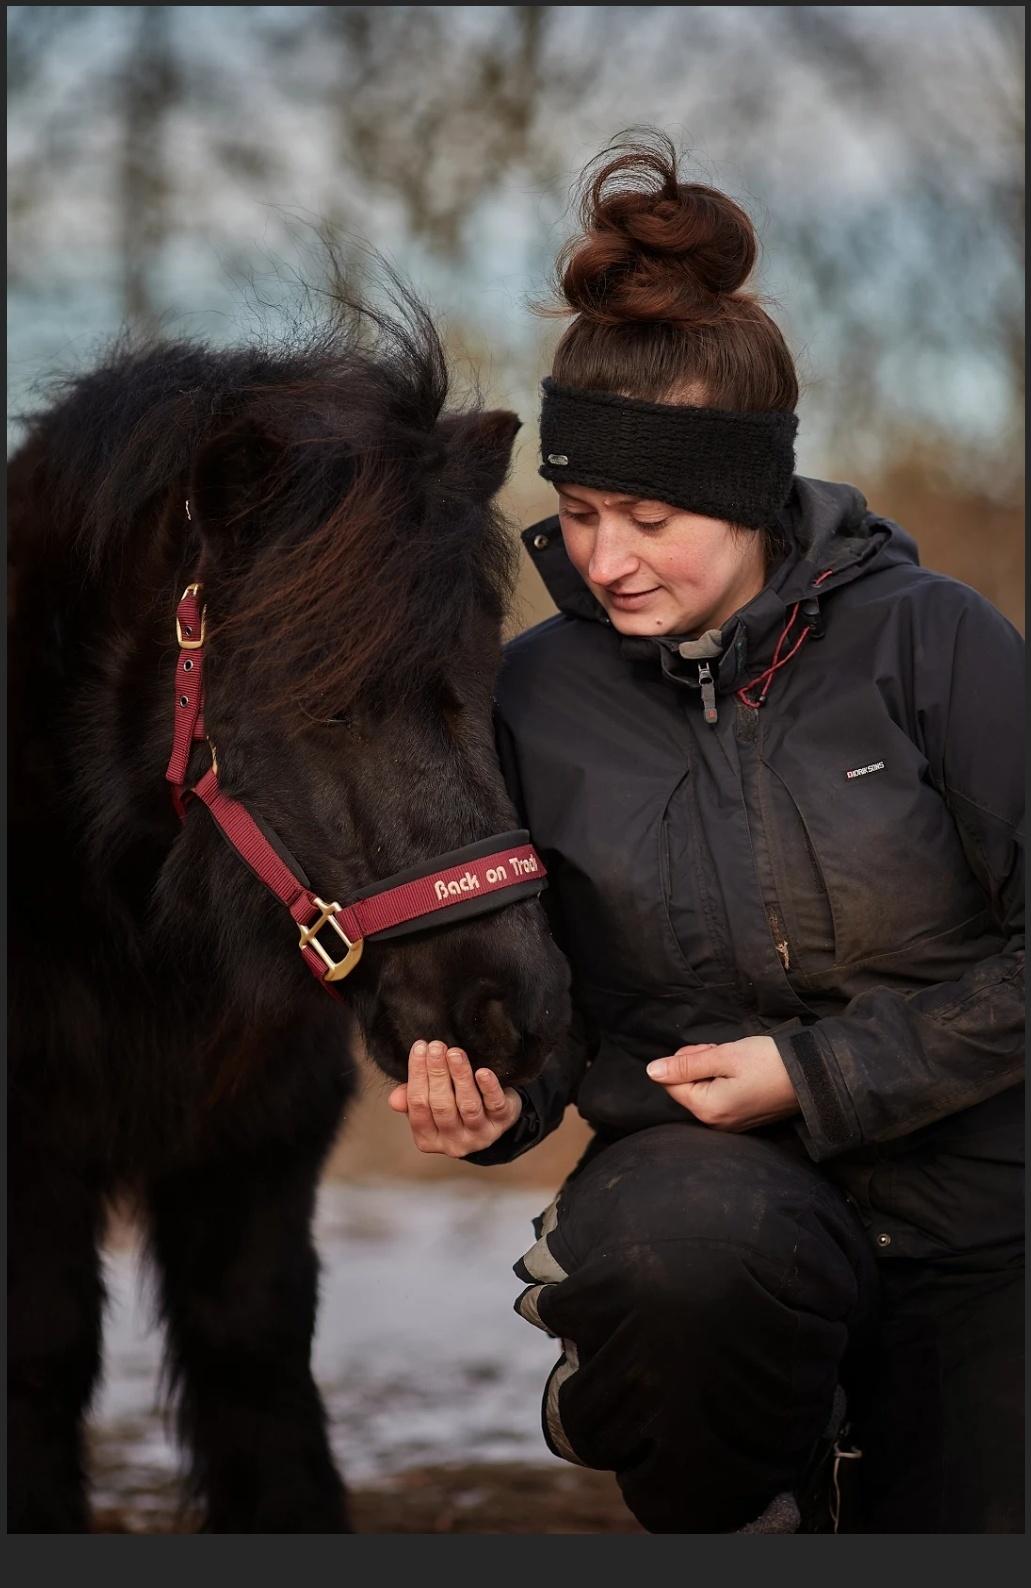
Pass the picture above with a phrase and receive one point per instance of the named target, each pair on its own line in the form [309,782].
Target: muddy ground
[432,1383]
[501,1497]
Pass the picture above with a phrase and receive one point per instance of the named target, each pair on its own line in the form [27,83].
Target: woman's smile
[631,600]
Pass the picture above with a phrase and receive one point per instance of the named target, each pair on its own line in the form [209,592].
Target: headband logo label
[862,771]
[559,459]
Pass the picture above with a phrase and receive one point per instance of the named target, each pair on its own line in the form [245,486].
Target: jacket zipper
[747,730]
[780,936]
[708,688]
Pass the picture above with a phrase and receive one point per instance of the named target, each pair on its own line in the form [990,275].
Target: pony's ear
[479,448]
[231,475]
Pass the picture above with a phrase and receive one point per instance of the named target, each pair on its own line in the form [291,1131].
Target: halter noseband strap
[483,876]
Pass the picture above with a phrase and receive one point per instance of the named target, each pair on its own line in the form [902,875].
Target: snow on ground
[418,1352]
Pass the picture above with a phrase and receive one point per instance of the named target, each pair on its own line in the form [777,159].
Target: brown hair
[655,284]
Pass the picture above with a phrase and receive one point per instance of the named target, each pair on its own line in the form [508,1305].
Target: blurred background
[172,168]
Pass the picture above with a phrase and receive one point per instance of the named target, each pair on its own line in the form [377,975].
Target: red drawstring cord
[766,678]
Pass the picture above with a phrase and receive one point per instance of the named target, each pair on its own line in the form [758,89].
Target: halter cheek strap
[484,876]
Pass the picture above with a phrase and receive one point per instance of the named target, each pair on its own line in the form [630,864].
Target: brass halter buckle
[191,644]
[336,970]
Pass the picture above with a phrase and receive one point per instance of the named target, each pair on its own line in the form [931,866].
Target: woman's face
[657,569]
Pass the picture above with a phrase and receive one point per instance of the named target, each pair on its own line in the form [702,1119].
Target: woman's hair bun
[653,247]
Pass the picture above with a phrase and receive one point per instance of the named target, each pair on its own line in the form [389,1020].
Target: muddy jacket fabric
[841,868]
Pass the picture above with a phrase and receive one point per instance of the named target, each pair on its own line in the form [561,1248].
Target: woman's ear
[479,449]
[232,475]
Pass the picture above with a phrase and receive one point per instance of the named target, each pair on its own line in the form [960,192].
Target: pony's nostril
[484,1020]
[492,1010]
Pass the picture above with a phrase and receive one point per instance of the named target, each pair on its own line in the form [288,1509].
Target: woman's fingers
[441,1088]
[467,1093]
[687,1064]
[690,1050]
[493,1093]
[694,1096]
[450,1109]
[419,1116]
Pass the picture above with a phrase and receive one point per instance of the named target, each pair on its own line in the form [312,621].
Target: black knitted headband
[734,466]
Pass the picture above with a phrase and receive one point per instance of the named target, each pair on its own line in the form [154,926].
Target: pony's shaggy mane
[362,535]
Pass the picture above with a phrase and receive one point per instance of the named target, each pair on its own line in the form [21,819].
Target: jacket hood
[834,539]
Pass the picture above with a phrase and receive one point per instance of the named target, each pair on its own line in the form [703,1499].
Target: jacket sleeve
[892,1061]
[546,1098]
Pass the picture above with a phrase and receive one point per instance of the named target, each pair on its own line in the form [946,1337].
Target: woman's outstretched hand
[729,1085]
[451,1110]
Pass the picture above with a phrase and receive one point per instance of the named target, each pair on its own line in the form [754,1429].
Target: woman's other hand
[729,1085]
[450,1109]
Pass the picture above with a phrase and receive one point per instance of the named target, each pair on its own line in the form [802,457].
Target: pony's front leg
[55,1299]
[239,1280]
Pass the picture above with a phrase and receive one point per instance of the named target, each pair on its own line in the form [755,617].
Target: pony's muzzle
[488,1022]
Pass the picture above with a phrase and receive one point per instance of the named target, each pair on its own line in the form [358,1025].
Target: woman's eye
[650,523]
[578,518]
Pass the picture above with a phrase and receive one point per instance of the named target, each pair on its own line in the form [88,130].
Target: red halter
[483,876]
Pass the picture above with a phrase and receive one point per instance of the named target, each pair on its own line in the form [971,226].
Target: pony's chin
[392,1063]
[389,1054]
[382,1043]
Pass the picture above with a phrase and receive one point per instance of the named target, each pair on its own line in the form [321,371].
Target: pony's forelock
[371,535]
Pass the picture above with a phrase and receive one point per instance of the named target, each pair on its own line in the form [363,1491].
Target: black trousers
[711,1292]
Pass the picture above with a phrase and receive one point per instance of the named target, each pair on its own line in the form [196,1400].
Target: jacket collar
[833,539]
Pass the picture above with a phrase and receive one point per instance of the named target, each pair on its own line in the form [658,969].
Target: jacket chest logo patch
[863,771]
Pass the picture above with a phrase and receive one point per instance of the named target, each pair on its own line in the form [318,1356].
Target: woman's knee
[678,1218]
[702,1289]
[658,1298]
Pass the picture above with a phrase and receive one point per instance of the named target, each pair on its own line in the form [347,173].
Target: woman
[772,765]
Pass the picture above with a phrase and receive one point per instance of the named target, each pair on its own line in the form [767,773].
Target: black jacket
[841,868]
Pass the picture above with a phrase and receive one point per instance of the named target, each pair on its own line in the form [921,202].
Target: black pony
[168,1041]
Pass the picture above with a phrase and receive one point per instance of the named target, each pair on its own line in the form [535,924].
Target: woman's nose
[611,560]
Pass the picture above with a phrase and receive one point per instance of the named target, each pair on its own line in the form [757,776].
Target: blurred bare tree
[879,148]
[105,116]
[431,112]
[148,87]
[956,182]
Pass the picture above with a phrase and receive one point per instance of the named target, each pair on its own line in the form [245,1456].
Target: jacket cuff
[830,1125]
[517,1139]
